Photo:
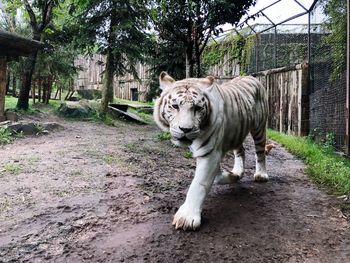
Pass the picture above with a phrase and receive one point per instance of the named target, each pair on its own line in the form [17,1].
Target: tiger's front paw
[261,177]
[187,219]
[227,178]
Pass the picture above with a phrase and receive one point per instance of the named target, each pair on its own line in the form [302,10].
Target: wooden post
[3,67]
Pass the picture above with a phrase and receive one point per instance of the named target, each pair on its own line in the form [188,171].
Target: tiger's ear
[207,82]
[165,80]
[210,80]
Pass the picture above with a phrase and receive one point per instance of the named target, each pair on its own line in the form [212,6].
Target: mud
[94,193]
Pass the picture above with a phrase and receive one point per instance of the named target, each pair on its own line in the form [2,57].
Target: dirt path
[93,193]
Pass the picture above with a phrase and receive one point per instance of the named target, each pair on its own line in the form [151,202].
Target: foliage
[232,45]
[336,23]
[324,166]
[164,56]
[5,136]
[187,154]
[242,50]
[12,168]
[164,136]
[116,29]
[246,54]
[190,24]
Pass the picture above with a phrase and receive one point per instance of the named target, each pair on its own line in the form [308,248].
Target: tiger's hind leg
[225,177]
[259,137]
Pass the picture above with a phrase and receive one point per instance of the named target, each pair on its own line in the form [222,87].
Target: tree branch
[31,14]
[205,42]
[47,14]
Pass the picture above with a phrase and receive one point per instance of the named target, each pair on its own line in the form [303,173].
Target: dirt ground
[95,193]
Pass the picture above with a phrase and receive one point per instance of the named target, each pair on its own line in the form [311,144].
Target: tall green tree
[163,55]
[190,23]
[116,29]
[40,16]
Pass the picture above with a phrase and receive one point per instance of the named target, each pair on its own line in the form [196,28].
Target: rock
[74,110]
[50,126]
[30,128]
[27,128]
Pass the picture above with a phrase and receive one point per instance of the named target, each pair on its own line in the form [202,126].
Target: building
[90,77]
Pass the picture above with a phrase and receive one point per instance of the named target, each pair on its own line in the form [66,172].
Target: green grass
[5,136]
[164,136]
[11,102]
[12,168]
[323,165]
[187,154]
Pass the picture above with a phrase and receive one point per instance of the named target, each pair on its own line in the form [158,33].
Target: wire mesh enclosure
[322,44]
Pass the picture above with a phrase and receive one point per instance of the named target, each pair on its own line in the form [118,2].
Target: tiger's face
[184,108]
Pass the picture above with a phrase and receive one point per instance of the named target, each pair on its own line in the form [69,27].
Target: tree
[190,23]
[40,16]
[116,29]
[164,56]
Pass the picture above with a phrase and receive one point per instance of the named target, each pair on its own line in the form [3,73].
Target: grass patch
[323,165]
[11,102]
[12,168]
[187,154]
[164,136]
[5,136]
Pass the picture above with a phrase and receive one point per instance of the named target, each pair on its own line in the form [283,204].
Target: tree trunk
[48,89]
[198,61]
[3,75]
[14,86]
[107,90]
[33,93]
[8,81]
[39,88]
[189,61]
[23,98]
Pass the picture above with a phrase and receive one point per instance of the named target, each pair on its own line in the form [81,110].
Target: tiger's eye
[175,106]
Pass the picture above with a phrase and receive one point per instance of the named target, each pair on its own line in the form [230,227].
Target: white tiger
[212,120]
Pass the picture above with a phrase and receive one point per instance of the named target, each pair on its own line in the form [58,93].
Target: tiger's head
[183,108]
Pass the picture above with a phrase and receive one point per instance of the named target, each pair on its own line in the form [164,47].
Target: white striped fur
[212,120]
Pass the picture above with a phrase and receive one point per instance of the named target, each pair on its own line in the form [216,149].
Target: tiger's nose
[185,130]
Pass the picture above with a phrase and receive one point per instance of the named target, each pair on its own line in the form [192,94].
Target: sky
[281,11]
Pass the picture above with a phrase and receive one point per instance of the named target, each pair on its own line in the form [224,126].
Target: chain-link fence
[328,76]
[281,46]
[322,44]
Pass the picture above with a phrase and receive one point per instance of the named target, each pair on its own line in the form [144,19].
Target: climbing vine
[232,46]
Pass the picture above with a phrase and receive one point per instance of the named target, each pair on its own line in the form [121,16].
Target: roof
[12,45]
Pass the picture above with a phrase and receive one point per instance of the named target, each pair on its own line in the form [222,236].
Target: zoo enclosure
[277,52]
